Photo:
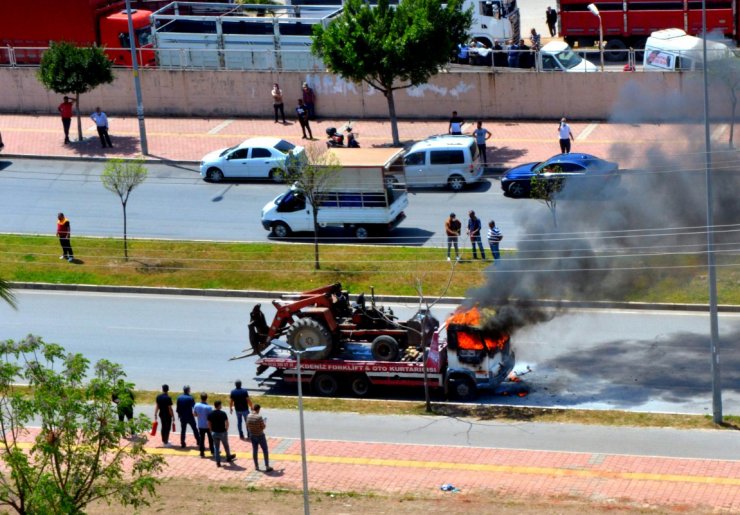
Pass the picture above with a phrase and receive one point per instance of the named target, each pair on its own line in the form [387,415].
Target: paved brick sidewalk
[185,139]
[406,469]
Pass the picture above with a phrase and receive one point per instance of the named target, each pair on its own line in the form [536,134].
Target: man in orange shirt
[65,109]
[63,233]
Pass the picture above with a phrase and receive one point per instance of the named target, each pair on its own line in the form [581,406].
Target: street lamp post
[298,354]
[137,81]
[595,11]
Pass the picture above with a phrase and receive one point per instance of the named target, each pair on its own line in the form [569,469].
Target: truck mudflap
[397,221]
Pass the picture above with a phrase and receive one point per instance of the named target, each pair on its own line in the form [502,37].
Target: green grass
[391,270]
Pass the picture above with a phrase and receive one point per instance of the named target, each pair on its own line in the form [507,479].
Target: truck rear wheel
[325,385]
[308,332]
[462,388]
[615,50]
[385,348]
[360,385]
[362,232]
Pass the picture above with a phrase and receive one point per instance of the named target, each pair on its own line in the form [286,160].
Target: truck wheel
[307,332]
[360,386]
[385,348]
[614,50]
[325,385]
[214,175]
[280,230]
[462,388]
[361,232]
[456,183]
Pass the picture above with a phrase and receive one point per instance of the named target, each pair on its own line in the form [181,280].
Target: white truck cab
[674,50]
[493,20]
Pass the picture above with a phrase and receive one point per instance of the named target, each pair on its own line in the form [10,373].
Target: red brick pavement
[184,139]
[406,469]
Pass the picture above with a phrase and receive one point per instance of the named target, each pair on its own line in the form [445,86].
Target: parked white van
[557,56]
[452,161]
[674,50]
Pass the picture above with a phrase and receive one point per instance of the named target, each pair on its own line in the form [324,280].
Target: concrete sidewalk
[189,139]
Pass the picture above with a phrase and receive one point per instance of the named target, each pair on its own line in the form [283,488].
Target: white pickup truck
[362,199]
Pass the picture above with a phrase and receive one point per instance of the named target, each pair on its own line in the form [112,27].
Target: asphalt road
[174,203]
[631,360]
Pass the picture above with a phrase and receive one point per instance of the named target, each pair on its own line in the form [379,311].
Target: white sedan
[254,158]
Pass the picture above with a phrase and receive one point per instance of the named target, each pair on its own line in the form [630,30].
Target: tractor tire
[307,332]
[385,348]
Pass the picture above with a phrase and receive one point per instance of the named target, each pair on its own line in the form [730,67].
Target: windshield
[283,146]
[227,150]
[144,35]
[568,58]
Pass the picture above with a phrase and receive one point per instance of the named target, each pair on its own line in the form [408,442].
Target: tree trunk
[317,266]
[79,118]
[125,241]
[392,112]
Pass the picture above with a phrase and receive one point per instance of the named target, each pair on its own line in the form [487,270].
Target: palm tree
[6,294]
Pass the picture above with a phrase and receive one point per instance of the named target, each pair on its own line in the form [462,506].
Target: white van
[674,50]
[361,199]
[557,56]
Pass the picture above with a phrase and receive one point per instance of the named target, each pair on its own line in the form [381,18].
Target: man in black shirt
[218,423]
[164,409]
[240,402]
[185,405]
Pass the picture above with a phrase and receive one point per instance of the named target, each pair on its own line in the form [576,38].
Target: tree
[70,70]
[80,453]
[391,48]
[727,71]
[121,177]
[313,175]
[6,294]
[547,189]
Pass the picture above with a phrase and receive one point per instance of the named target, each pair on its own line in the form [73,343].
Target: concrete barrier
[505,95]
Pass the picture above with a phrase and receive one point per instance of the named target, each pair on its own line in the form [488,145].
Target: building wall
[507,95]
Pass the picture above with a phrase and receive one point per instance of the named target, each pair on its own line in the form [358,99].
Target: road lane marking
[585,133]
[221,126]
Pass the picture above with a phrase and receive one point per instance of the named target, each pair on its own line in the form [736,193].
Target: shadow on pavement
[122,145]
[506,154]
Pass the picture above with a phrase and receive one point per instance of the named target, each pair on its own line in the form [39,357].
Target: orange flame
[465,317]
[474,340]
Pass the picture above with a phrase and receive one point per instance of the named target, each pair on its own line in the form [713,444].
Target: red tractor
[324,317]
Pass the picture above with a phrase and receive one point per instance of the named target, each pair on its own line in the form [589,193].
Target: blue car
[592,174]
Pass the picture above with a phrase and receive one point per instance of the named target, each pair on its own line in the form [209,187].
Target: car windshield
[227,150]
[568,58]
[283,146]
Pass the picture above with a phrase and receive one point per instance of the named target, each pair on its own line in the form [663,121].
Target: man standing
[185,405]
[256,426]
[164,409]
[453,228]
[456,123]
[566,136]
[494,237]
[309,99]
[101,122]
[65,109]
[240,402]
[474,228]
[201,411]
[481,136]
[551,17]
[218,423]
[277,102]
[513,57]
[64,232]
[302,114]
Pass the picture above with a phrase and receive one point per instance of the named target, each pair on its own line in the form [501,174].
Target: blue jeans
[257,442]
[218,439]
[473,241]
[494,250]
[239,416]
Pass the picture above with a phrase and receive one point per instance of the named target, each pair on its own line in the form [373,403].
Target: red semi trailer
[628,23]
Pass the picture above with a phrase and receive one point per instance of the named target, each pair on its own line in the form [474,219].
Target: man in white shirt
[566,136]
[101,122]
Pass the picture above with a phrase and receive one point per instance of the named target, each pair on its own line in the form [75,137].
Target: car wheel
[456,183]
[215,175]
[516,190]
[276,175]
[280,230]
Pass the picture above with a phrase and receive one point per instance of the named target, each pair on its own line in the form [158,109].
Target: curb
[258,294]
[96,159]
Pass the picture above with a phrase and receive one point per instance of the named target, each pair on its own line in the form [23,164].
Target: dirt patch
[202,496]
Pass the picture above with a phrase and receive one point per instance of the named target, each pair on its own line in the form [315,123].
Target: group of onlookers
[516,54]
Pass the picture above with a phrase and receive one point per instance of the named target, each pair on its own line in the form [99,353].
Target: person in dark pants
[277,102]
[302,114]
[474,227]
[565,135]
[309,99]
[185,405]
[256,425]
[551,17]
[123,398]
[64,231]
[218,423]
[240,402]
[481,136]
[494,237]
[65,109]
[164,409]
[101,122]
[201,412]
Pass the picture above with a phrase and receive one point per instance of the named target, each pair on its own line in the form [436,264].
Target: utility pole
[137,81]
